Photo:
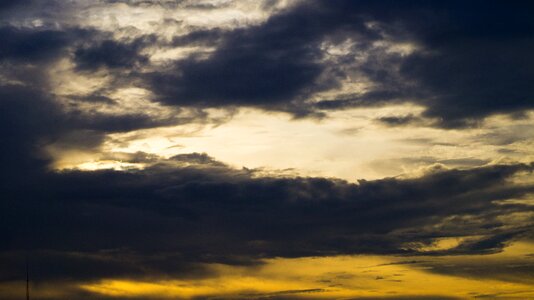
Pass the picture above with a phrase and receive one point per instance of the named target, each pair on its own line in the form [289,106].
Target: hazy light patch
[347,89]
[164,141]
[403,49]
[339,49]
[107,165]
[527,200]
[255,140]
[132,100]
[348,144]
[162,18]
[148,18]
[447,243]
[70,85]
[334,277]
[512,139]
[230,285]
[65,81]
[161,56]
[120,15]
[518,219]
[68,158]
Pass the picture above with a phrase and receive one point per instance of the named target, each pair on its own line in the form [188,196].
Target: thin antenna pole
[27,281]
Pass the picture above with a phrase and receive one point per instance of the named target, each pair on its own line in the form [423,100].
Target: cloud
[460,68]
[463,68]
[111,54]
[269,65]
[197,158]
[27,45]
[178,214]
[399,120]
[6,4]
[27,119]
[31,119]
[207,37]
[139,223]
[468,84]
[34,116]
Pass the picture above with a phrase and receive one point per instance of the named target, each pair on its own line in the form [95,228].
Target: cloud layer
[72,88]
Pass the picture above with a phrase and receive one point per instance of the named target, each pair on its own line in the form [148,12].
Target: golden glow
[348,144]
[115,165]
[444,244]
[335,277]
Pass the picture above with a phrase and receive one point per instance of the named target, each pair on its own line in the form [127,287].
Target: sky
[266,149]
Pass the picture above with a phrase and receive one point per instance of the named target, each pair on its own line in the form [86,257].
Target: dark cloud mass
[26,118]
[207,212]
[473,59]
[111,54]
[268,65]
[5,4]
[27,45]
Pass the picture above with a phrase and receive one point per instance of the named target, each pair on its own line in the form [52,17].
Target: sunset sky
[267,149]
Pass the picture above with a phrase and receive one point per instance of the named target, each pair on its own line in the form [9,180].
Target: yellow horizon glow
[334,277]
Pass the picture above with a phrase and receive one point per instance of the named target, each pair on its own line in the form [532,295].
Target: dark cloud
[31,45]
[28,119]
[5,4]
[197,158]
[171,217]
[473,79]
[466,66]
[208,37]
[268,65]
[92,98]
[399,120]
[32,118]
[454,32]
[173,4]
[111,54]
[93,49]
[472,60]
